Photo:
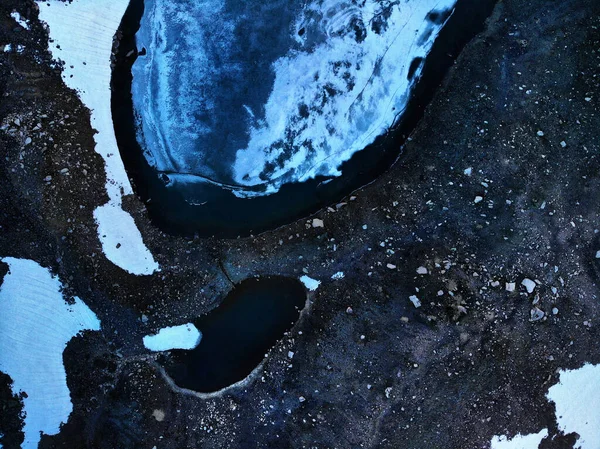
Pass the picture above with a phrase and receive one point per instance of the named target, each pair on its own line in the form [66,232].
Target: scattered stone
[291,354]
[158,415]
[301,399]
[536,314]
[598,254]
[317,223]
[478,199]
[563,144]
[510,286]
[540,133]
[415,301]
[528,284]
[554,311]
[391,266]
[468,171]
[349,310]
[422,270]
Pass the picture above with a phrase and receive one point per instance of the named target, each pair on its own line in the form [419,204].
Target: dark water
[238,333]
[225,215]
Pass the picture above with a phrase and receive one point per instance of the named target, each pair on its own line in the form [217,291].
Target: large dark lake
[236,117]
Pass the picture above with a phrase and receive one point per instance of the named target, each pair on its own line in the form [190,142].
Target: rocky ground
[499,183]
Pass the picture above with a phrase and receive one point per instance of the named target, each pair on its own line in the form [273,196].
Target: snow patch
[17,17]
[310,283]
[123,244]
[82,36]
[36,324]
[577,399]
[519,441]
[338,275]
[185,336]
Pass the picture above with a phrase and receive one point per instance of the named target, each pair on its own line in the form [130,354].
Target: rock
[415,301]
[317,223]
[301,399]
[349,310]
[510,286]
[528,284]
[391,266]
[536,314]
[159,415]
[422,270]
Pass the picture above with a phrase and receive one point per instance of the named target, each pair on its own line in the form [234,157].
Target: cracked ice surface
[252,95]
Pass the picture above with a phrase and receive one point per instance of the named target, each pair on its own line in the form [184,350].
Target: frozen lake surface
[229,104]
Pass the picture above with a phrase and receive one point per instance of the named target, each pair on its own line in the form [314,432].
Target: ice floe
[185,336]
[81,35]
[36,323]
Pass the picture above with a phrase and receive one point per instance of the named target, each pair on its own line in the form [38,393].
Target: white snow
[185,336]
[310,283]
[531,441]
[338,275]
[24,23]
[81,35]
[598,254]
[123,244]
[577,400]
[577,409]
[36,324]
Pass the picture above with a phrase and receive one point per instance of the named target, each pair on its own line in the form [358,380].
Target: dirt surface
[372,370]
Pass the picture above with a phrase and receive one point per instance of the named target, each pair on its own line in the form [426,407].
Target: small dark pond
[238,333]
